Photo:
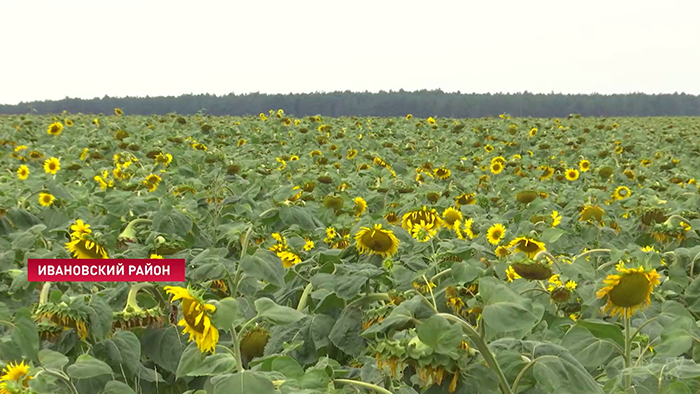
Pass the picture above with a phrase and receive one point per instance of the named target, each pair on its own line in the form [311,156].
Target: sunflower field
[353,255]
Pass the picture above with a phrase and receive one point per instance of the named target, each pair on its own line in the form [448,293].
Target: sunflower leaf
[276,314]
[25,333]
[117,387]
[87,367]
[242,383]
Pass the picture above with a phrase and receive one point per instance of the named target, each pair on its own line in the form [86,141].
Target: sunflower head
[360,206]
[628,290]
[55,128]
[526,197]
[451,215]
[495,233]
[571,174]
[591,212]
[621,192]
[289,259]
[532,269]
[196,317]
[85,247]
[530,247]
[376,240]
[429,217]
[46,199]
[17,374]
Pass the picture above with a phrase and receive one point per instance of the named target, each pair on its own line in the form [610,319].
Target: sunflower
[571,174]
[79,228]
[422,232]
[502,251]
[431,120]
[496,167]
[584,165]
[351,154]
[499,159]
[392,218]
[360,206]
[36,155]
[629,290]
[629,174]
[591,212]
[152,181]
[526,245]
[23,172]
[118,112]
[451,215]
[619,150]
[621,192]
[533,131]
[463,228]
[155,256]
[241,142]
[465,199]
[409,116]
[69,122]
[556,218]
[164,158]
[46,199]
[377,241]
[547,172]
[511,275]
[55,128]
[85,248]
[429,217]
[196,318]
[289,259]
[17,373]
[495,233]
[442,173]
[52,166]
[308,245]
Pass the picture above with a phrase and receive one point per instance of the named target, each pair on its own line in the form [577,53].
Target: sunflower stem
[677,217]
[65,379]
[130,231]
[357,383]
[628,350]
[527,367]
[586,253]
[430,289]
[244,250]
[441,275]
[483,348]
[304,297]
[369,298]
[548,255]
[237,348]
[44,296]
[131,297]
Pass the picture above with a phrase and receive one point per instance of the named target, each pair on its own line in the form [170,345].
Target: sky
[52,49]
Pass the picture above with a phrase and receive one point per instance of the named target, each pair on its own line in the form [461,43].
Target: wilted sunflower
[584,165]
[571,174]
[55,128]
[629,290]
[86,248]
[46,199]
[527,245]
[23,172]
[442,173]
[196,318]
[495,233]
[360,206]
[621,192]
[451,215]
[17,373]
[52,165]
[377,241]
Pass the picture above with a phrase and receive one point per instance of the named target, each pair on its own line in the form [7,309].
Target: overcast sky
[53,49]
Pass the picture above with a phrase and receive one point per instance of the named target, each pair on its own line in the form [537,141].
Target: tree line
[422,103]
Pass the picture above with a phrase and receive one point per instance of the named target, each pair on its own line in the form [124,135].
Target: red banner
[106,270]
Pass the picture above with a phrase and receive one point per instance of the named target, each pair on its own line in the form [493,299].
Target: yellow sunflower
[289,259]
[196,318]
[55,128]
[241,142]
[52,165]
[308,245]
[23,172]
[593,212]
[429,217]
[442,173]
[584,165]
[17,373]
[451,215]
[621,192]
[118,112]
[79,228]
[69,122]
[409,117]
[502,251]
[547,172]
[392,218]
[360,206]
[377,241]
[496,167]
[351,154]
[556,218]
[85,248]
[629,290]
[495,233]
[422,232]
[571,174]
[527,245]
[46,199]
[488,148]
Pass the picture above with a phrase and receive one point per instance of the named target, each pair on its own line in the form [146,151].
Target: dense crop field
[346,255]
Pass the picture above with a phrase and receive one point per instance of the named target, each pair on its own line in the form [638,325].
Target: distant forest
[394,103]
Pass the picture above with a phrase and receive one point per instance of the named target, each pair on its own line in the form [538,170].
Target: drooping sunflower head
[360,206]
[628,290]
[526,197]
[527,245]
[196,318]
[591,212]
[429,217]
[532,269]
[86,248]
[351,154]
[442,173]
[547,172]
[377,241]
[15,372]
[392,218]
[451,215]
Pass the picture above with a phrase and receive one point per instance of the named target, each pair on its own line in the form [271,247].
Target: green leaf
[276,314]
[170,221]
[264,265]
[214,364]
[58,190]
[554,373]
[25,333]
[190,360]
[463,272]
[345,334]
[125,349]
[505,310]
[288,367]
[674,342]
[551,235]
[228,313]
[243,383]
[590,351]
[52,360]
[100,317]
[440,335]
[348,287]
[86,367]
[301,216]
[163,346]
[116,387]
[22,219]
[604,330]
[315,379]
